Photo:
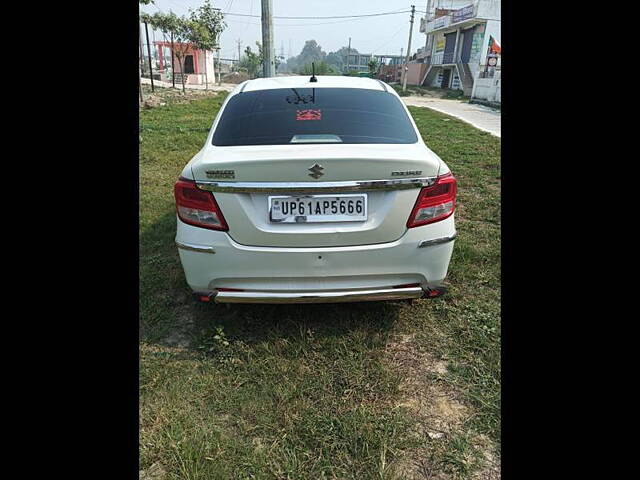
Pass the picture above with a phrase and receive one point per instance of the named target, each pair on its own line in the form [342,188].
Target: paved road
[479,116]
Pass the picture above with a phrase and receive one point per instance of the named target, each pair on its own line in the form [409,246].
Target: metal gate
[446,75]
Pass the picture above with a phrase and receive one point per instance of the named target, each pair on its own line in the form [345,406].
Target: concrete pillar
[475,84]
[455,49]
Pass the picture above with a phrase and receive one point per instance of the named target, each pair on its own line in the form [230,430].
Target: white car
[313,190]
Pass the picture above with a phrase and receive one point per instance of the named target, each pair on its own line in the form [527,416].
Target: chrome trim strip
[195,248]
[311,187]
[320,297]
[437,241]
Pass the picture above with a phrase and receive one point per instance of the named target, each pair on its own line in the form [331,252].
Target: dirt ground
[439,411]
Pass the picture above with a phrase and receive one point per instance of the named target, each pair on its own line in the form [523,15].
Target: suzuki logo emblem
[316,171]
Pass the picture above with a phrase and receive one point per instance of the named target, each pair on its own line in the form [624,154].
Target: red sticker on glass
[308,114]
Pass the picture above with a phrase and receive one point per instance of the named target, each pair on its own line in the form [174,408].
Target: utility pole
[140,67]
[206,75]
[239,42]
[348,55]
[140,64]
[141,50]
[219,69]
[173,70]
[146,30]
[406,62]
[268,66]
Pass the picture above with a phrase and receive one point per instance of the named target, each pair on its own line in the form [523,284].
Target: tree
[141,15]
[334,59]
[321,68]
[252,61]
[338,58]
[187,33]
[291,64]
[212,21]
[373,67]
[167,23]
[311,52]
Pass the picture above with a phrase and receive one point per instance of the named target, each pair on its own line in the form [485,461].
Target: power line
[393,36]
[250,11]
[302,24]
[321,18]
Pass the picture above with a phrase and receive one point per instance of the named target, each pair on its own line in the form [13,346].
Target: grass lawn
[357,391]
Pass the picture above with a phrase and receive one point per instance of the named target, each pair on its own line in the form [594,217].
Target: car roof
[324,81]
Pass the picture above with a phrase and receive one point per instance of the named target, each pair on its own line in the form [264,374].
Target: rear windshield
[313,115]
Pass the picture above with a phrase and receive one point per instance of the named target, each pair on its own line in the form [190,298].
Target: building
[198,64]
[360,62]
[462,48]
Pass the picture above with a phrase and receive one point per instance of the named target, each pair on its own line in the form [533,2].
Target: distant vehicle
[315,191]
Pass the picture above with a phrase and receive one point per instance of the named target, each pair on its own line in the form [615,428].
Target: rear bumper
[320,297]
[418,261]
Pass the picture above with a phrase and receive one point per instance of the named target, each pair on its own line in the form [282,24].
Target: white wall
[489,9]
[451,4]
[488,88]
[207,66]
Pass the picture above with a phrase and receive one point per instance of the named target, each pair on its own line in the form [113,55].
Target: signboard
[463,14]
[476,43]
[455,84]
[441,22]
[440,44]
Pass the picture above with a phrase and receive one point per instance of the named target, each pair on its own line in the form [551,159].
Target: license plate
[318,208]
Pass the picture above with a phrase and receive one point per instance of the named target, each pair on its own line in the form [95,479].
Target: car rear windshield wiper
[317,138]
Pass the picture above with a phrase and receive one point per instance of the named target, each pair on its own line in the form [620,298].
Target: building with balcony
[360,62]
[462,47]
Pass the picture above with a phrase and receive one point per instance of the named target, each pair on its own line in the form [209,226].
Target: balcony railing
[442,58]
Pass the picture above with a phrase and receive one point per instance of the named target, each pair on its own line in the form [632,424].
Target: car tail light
[197,207]
[434,203]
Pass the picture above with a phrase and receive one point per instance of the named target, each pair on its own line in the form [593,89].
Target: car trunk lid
[262,170]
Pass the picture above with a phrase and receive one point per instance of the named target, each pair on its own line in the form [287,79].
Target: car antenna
[313,73]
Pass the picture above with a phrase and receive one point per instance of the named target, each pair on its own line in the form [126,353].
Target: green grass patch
[308,391]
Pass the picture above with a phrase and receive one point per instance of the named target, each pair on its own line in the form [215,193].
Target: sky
[378,35]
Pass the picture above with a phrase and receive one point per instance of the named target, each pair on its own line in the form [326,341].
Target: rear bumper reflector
[435,292]
[204,296]
[195,248]
[437,241]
